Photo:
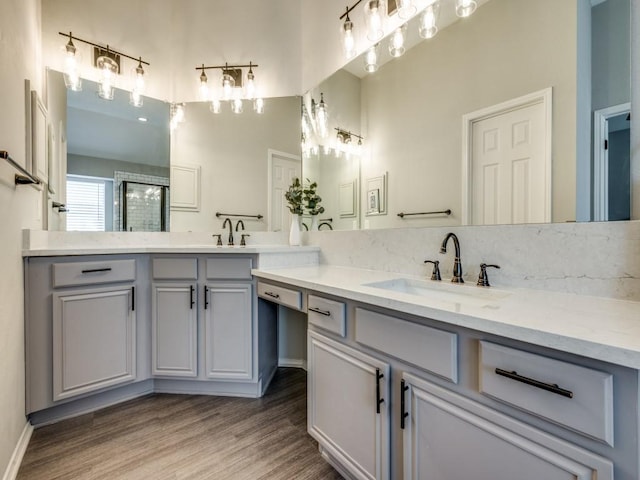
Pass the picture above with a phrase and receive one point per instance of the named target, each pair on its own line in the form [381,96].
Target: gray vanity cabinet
[448,436]
[348,407]
[174,317]
[84,319]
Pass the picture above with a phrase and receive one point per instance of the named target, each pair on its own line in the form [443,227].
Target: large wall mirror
[116,167]
[546,81]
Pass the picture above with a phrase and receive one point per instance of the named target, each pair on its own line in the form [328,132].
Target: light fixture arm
[107,48]
[349,9]
[226,66]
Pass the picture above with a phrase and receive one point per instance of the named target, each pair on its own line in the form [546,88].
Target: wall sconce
[107,61]
[230,88]
[345,141]
[464,8]
[428,21]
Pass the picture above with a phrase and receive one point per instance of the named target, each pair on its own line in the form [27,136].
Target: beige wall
[20,59]
[413,106]
[232,151]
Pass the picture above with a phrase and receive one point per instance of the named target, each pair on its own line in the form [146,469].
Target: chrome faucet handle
[219,242]
[483,279]
[435,275]
[243,243]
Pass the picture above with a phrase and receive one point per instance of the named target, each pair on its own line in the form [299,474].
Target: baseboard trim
[18,453]
[293,362]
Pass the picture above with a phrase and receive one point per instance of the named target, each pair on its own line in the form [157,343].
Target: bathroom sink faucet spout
[457,264]
[227,220]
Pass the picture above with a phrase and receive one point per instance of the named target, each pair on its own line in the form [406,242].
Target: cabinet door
[174,330]
[348,407]
[447,436]
[228,331]
[93,340]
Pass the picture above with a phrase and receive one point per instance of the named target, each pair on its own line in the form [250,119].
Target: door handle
[379,399]
[403,413]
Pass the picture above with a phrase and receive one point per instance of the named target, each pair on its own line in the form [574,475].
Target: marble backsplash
[600,259]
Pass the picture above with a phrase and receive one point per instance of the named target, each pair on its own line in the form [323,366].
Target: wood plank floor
[171,437]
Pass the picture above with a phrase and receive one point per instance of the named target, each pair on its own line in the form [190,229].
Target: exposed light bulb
[375,12]
[228,83]
[135,98]
[250,87]
[371,59]
[396,42]
[71,72]
[464,8]
[322,118]
[406,8]
[203,88]
[108,69]
[348,41]
[428,21]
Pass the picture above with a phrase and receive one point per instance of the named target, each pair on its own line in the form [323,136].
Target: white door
[509,164]
[283,168]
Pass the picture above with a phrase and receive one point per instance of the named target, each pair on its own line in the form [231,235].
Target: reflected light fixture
[71,72]
[371,59]
[108,63]
[322,117]
[176,115]
[464,8]
[375,13]
[135,98]
[428,21]
[231,88]
[203,86]
[396,41]
[406,8]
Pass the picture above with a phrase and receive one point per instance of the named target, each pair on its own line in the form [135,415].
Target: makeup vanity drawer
[229,268]
[576,397]
[284,296]
[91,273]
[327,314]
[175,268]
[429,348]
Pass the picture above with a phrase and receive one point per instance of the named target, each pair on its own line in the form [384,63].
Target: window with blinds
[88,203]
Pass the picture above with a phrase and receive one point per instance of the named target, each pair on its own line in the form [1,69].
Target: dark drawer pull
[403,412]
[271,294]
[549,387]
[191,300]
[326,313]
[133,299]
[94,270]
[379,399]
[206,300]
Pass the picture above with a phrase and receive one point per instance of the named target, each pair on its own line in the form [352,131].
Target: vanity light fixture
[107,61]
[344,141]
[71,68]
[322,117]
[231,88]
[371,59]
[396,42]
[346,31]
[428,20]
[464,8]
[406,8]
[375,13]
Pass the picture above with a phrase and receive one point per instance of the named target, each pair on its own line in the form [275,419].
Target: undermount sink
[442,292]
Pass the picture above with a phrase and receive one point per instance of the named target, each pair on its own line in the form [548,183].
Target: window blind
[86,204]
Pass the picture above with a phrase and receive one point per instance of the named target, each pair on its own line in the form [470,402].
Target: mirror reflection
[491,118]
[117,160]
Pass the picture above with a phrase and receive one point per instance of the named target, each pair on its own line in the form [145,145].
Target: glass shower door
[143,207]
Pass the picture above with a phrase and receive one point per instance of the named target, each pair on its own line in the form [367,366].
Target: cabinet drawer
[90,273]
[327,314]
[576,397]
[284,296]
[229,268]
[429,348]
[175,268]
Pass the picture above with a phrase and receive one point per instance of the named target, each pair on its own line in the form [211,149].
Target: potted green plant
[312,203]
[294,198]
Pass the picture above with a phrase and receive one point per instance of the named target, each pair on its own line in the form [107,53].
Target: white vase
[294,232]
[314,223]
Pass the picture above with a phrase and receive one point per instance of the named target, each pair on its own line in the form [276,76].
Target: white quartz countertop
[594,327]
[101,249]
